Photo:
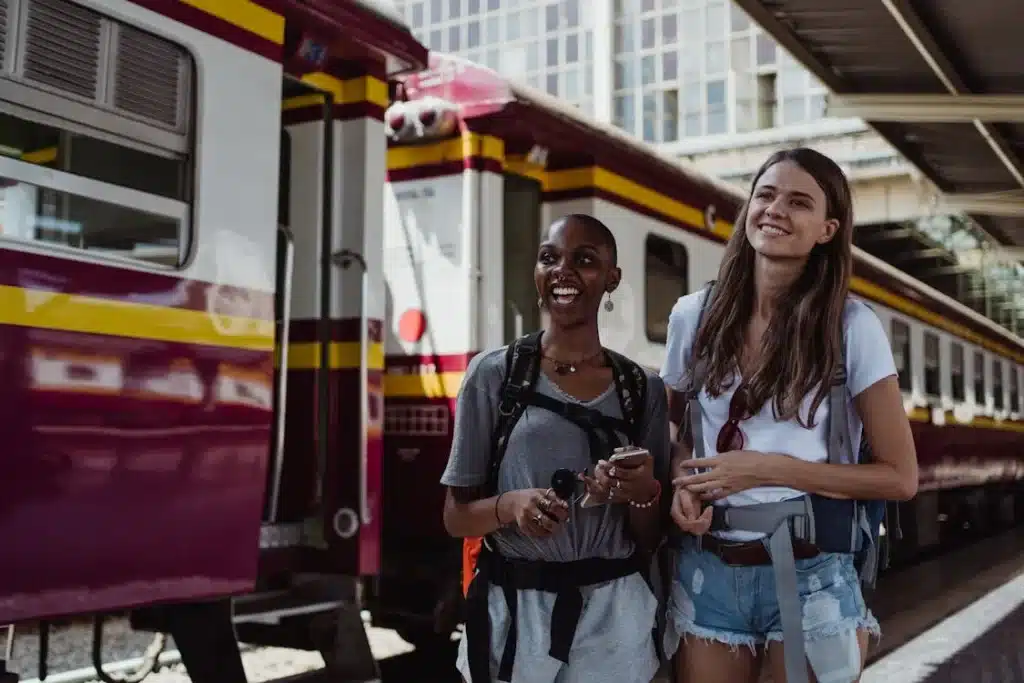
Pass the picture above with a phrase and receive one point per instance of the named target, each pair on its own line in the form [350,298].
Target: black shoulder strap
[631,387]
[522,367]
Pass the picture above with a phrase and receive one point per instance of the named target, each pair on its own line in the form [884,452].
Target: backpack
[872,551]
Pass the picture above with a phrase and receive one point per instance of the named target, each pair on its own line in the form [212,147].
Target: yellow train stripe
[601,178]
[454,149]
[340,356]
[348,91]
[871,290]
[437,385]
[246,15]
[77,313]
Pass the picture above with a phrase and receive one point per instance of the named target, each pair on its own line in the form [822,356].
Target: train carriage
[477,165]
[190,278]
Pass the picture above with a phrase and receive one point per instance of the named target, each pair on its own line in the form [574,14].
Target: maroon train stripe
[68,276]
[475,163]
[349,21]
[215,26]
[342,329]
[342,112]
[453,362]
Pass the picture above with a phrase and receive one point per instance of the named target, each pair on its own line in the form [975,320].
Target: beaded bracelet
[652,501]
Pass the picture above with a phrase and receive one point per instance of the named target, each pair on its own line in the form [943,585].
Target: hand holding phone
[629,457]
[625,459]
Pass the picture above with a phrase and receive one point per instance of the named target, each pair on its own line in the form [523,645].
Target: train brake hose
[150,658]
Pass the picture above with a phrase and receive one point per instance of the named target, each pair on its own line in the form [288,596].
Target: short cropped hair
[601,231]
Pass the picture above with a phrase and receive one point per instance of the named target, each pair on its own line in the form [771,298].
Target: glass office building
[664,70]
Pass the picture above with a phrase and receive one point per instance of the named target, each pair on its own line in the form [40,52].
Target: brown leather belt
[752,553]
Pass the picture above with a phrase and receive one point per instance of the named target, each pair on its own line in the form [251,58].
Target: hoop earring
[609,305]
[540,303]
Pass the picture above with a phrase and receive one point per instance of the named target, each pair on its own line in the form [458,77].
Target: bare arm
[465,514]
[892,474]
[537,512]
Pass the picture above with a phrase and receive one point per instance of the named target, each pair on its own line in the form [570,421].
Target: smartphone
[628,456]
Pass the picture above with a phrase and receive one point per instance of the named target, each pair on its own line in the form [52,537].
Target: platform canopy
[942,81]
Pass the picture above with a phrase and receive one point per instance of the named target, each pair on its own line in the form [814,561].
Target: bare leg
[777,663]
[705,661]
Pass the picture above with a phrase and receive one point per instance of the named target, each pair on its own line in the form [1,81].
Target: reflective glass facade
[669,70]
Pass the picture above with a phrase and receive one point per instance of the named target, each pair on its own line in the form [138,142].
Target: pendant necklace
[569,368]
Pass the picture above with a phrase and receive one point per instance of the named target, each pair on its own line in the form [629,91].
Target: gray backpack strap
[779,521]
[697,378]
[840,445]
[840,451]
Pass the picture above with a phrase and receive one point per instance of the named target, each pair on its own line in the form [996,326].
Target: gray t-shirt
[613,639]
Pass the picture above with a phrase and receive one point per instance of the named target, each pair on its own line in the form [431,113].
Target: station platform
[982,642]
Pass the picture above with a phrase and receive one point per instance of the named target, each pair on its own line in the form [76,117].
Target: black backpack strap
[522,367]
[631,388]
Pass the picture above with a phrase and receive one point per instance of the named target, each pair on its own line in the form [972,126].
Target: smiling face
[575,268]
[788,213]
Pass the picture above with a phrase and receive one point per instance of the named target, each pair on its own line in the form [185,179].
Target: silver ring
[539,516]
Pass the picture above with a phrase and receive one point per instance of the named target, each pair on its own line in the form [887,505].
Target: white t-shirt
[868,360]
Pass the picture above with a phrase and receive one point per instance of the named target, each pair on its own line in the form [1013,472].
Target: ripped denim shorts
[738,605]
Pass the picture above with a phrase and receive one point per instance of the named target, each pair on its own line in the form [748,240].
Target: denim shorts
[738,605]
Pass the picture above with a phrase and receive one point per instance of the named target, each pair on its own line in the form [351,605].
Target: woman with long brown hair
[770,337]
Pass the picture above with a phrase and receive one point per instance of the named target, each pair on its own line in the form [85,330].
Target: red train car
[190,310]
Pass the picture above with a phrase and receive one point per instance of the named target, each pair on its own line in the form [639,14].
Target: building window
[1014,391]
[997,385]
[956,366]
[764,48]
[901,352]
[666,273]
[715,97]
[979,378]
[932,385]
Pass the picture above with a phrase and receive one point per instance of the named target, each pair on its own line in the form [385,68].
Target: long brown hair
[801,348]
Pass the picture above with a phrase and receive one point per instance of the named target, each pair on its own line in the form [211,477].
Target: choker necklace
[564,368]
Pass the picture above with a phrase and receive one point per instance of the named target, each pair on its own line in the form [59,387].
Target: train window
[1014,390]
[901,352]
[979,378]
[957,372]
[107,167]
[932,385]
[997,385]
[666,268]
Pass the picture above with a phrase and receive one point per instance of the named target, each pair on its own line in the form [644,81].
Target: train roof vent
[149,75]
[3,34]
[62,47]
[67,51]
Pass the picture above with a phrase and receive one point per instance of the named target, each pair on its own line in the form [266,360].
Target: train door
[292,518]
[520,242]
